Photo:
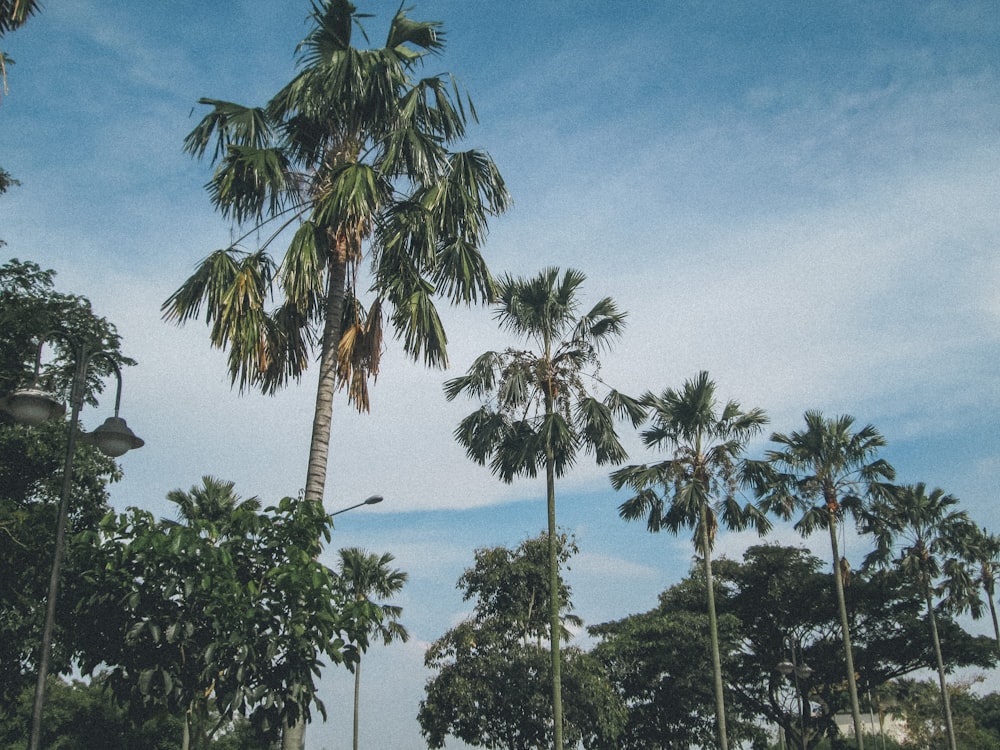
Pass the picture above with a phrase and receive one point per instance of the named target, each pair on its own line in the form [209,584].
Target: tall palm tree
[825,471]
[538,412]
[696,487]
[364,574]
[915,532]
[350,162]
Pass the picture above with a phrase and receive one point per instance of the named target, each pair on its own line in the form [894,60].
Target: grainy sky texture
[801,198]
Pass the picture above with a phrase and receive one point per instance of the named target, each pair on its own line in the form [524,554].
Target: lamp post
[373,500]
[32,406]
[796,671]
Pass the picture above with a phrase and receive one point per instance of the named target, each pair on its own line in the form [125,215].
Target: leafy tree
[825,471]
[489,689]
[350,161]
[976,719]
[84,716]
[915,531]
[538,412]
[231,614]
[657,660]
[363,574]
[31,463]
[781,593]
[696,487]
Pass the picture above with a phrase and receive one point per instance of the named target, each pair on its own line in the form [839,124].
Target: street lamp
[32,406]
[796,671]
[373,500]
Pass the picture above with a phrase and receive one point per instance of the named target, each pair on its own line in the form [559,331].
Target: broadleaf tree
[492,671]
[539,411]
[231,616]
[31,462]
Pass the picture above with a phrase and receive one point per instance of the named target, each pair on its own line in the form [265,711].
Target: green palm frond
[228,124]
[404,32]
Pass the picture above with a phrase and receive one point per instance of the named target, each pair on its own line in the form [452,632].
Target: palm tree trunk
[319,446]
[945,700]
[852,686]
[294,735]
[713,626]
[357,700]
[993,614]
[554,622]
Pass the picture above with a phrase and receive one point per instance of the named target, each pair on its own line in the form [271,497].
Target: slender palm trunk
[357,700]
[713,626]
[838,581]
[294,735]
[554,622]
[945,700]
[993,614]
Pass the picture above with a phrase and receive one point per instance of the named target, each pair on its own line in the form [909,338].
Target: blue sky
[801,199]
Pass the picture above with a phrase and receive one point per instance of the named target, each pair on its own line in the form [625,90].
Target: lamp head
[113,438]
[31,406]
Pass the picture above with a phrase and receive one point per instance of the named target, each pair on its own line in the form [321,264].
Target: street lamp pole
[33,406]
[796,671]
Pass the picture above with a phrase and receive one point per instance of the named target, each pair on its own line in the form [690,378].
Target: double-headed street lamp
[32,406]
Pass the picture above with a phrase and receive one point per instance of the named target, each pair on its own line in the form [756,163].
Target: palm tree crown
[351,154]
[698,484]
[539,400]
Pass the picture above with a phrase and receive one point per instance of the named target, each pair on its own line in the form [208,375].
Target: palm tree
[214,501]
[213,507]
[975,569]
[824,471]
[915,532]
[349,162]
[538,411]
[696,486]
[362,575]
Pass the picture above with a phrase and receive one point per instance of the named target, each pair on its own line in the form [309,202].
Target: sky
[802,199]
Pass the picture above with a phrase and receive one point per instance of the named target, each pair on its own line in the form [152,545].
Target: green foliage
[84,716]
[227,610]
[31,463]
[658,660]
[493,670]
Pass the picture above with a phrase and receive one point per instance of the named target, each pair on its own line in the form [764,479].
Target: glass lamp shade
[113,438]
[785,667]
[32,406]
